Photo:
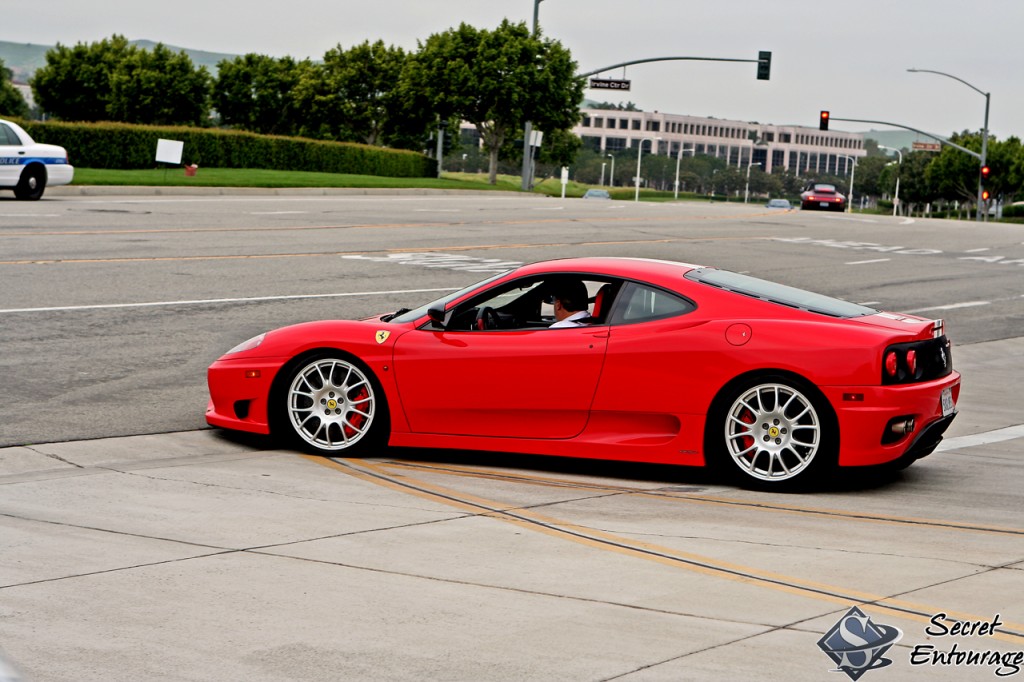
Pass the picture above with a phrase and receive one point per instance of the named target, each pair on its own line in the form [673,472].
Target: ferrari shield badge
[382,336]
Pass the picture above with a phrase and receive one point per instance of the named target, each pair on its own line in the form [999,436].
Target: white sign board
[536,137]
[169,151]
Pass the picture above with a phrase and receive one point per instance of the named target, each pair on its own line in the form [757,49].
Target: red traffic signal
[823,122]
[985,170]
[985,195]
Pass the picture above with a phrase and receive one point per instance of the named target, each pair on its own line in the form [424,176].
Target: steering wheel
[487,318]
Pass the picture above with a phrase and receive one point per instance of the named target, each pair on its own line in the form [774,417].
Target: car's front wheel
[775,432]
[31,185]
[333,405]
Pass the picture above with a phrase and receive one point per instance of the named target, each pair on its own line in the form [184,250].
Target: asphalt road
[113,306]
[190,554]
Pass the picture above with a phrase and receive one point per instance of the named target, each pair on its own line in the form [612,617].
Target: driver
[570,301]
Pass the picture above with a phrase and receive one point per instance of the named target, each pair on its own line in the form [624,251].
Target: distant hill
[24,58]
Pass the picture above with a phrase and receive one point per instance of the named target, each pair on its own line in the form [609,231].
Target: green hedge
[127,147]
[1013,211]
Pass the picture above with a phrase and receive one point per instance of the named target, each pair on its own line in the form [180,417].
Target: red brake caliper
[356,420]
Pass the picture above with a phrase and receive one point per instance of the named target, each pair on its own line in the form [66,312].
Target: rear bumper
[863,422]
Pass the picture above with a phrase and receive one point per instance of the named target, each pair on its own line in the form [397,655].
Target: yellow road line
[415,249]
[376,473]
[472,472]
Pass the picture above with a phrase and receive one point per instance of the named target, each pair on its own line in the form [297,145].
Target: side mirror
[436,316]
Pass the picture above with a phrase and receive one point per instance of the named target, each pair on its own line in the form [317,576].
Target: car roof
[628,268]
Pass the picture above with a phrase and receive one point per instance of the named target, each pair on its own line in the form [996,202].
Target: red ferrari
[677,364]
[819,196]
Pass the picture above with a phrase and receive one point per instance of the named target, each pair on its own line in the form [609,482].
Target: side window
[7,136]
[641,303]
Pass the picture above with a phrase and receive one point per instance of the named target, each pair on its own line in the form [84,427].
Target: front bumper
[240,393]
[864,420]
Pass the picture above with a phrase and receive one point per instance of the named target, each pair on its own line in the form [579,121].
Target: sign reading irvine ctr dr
[926,146]
[609,84]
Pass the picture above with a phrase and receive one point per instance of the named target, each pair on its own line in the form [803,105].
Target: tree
[159,87]
[254,92]
[954,174]
[11,101]
[75,83]
[497,80]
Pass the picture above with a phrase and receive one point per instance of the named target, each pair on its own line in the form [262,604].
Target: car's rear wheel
[333,405]
[776,432]
[31,185]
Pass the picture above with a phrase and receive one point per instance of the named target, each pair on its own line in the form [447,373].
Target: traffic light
[823,123]
[764,65]
[985,195]
[985,170]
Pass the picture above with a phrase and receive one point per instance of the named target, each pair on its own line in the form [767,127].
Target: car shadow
[689,479]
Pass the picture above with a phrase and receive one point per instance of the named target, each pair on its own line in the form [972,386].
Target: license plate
[825,204]
[947,402]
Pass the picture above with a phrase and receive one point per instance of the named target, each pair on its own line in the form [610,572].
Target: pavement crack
[53,456]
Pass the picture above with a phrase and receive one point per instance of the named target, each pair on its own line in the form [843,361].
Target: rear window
[778,293]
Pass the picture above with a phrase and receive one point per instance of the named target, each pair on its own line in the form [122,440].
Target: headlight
[254,342]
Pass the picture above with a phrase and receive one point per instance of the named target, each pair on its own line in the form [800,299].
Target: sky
[850,58]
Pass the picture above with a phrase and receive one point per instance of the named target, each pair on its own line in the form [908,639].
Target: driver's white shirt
[574,320]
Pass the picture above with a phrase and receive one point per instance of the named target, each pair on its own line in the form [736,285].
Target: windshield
[417,313]
[779,293]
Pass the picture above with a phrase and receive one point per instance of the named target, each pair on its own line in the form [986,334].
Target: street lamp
[896,196]
[984,130]
[746,190]
[611,176]
[639,153]
[853,174]
[679,157]
[528,126]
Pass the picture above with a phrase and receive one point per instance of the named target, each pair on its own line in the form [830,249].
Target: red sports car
[677,363]
[820,196]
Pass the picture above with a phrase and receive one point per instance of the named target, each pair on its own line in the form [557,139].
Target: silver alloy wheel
[772,432]
[331,404]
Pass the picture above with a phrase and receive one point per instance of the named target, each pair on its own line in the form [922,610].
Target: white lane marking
[908,221]
[984,248]
[951,306]
[549,208]
[865,262]
[207,301]
[869,303]
[996,436]
[856,220]
[275,212]
[437,210]
[29,215]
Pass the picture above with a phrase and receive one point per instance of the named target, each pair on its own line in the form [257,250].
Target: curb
[140,190]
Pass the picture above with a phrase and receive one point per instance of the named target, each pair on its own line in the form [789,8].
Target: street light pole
[746,190]
[896,196]
[603,164]
[853,174]
[679,157]
[984,130]
[528,126]
[611,176]
[639,153]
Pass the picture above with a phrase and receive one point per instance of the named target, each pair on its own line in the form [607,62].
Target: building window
[591,142]
[614,144]
[599,123]
[586,121]
[785,137]
[636,124]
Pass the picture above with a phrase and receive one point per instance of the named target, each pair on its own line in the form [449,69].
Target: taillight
[912,362]
[890,363]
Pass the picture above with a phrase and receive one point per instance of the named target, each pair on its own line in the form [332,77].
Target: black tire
[32,184]
[773,433]
[330,404]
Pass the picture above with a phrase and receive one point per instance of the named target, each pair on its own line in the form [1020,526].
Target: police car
[27,167]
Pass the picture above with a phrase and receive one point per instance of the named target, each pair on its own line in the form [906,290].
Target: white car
[27,167]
